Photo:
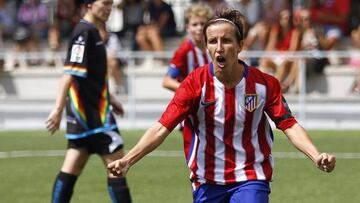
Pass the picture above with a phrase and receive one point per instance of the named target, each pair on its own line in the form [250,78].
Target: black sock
[119,191]
[63,188]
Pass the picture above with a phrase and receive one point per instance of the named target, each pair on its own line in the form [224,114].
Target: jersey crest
[251,102]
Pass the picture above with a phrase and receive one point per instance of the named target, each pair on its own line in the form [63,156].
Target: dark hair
[237,19]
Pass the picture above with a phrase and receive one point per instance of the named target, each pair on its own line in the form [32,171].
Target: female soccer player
[228,150]
[91,128]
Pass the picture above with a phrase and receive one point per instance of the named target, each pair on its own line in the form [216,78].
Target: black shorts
[101,143]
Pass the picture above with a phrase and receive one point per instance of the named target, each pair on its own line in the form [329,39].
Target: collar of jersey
[240,61]
[87,22]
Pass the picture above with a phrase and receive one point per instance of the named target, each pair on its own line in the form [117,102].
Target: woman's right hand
[53,121]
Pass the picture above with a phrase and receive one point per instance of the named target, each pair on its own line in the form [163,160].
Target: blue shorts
[243,192]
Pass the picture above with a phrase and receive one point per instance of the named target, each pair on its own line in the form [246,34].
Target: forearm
[152,138]
[170,83]
[62,92]
[301,140]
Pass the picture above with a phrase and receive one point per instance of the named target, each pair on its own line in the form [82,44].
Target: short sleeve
[277,107]
[76,59]
[181,105]
[178,62]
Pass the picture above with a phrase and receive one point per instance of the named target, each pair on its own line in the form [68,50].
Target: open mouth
[220,61]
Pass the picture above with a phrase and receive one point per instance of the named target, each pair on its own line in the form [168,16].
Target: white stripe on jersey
[200,56]
[219,119]
[238,131]
[190,62]
[195,147]
[269,140]
[202,139]
[259,157]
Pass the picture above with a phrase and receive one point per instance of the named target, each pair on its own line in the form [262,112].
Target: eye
[212,41]
[226,40]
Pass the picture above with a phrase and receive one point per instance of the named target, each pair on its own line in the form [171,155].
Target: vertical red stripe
[210,138]
[265,149]
[187,138]
[196,61]
[246,137]
[228,135]
[205,58]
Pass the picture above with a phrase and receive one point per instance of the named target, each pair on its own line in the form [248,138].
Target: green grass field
[158,179]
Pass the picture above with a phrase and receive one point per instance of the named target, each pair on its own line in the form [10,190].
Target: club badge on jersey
[77,50]
[251,102]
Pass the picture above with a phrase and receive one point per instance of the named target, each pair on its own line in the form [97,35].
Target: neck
[201,45]
[232,76]
[92,19]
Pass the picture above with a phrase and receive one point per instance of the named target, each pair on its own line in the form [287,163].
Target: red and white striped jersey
[227,137]
[186,58]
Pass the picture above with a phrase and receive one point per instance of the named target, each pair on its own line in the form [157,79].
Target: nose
[219,46]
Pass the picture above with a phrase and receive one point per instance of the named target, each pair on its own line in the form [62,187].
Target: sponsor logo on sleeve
[77,53]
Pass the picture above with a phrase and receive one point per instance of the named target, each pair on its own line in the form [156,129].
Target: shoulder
[261,77]
[84,26]
[199,75]
[185,46]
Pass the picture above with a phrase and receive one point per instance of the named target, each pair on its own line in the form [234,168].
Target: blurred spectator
[272,8]
[113,45]
[192,53]
[354,14]
[33,22]
[215,5]
[355,61]
[251,9]
[1,52]
[34,15]
[283,37]
[312,40]
[257,39]
[161,25]
[65,18]
[297,6]
[133,14]
[7,17]
[333,15]
[7,25]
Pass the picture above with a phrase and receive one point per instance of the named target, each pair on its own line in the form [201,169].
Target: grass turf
[165,179]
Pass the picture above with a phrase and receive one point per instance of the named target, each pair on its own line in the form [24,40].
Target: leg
[118,188]
[142,39]
[267,66]
[155,38]
[75,161]
[283,70]
[292,77]
[115,73]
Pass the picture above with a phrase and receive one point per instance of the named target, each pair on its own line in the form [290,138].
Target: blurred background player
[192,53]
[91,127]
[113,45]
[229,148]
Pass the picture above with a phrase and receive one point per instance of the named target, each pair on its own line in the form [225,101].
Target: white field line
[163,153]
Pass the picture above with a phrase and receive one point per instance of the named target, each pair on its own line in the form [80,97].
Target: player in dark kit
[91,127]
